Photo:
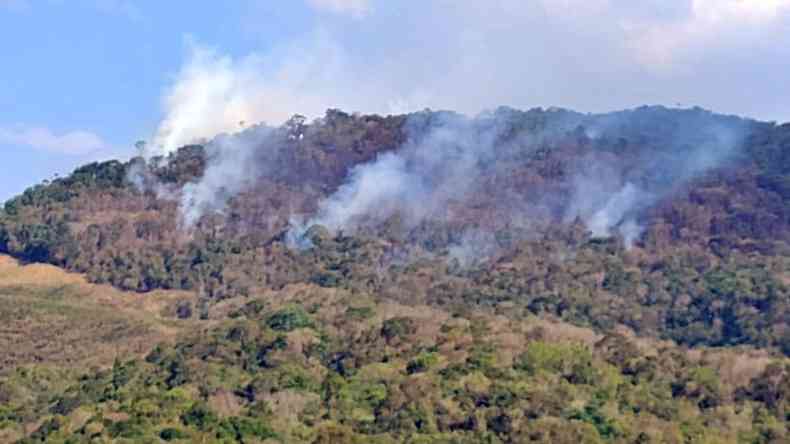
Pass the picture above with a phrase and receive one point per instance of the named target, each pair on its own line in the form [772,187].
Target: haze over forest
[168,74]
[358,221]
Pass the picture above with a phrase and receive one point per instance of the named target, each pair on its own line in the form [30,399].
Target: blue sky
[85,79]
[101,67]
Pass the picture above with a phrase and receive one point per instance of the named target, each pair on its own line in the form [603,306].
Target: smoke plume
[610,199]
[450,161]
[447,160]
[457,181]
[234,162]
[216,93]
[481,55]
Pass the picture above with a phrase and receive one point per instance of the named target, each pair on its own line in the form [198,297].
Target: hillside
[58,319]
[313,364]
[519,276]
[56,327]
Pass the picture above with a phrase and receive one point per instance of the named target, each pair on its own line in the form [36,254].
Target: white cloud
[355,8]
[467,55]
[706,24]
[738,10]
[76,143]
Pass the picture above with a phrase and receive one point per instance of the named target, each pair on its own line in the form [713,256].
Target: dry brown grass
[51,317]
[225,404]
[10,435]
[13,274]
[289,404]
[555,331]
[736,368]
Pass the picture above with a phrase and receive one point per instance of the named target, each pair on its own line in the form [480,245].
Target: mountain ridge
[133,229]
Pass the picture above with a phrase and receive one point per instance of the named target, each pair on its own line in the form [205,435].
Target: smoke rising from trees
[469,173]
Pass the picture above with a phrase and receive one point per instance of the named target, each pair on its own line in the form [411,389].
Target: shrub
[360,313]
[200,417]
[239,428]
[171,434]
[422,363]
[289,319]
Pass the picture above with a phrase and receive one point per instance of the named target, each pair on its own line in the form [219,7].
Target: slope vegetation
[312,364]
[520,276]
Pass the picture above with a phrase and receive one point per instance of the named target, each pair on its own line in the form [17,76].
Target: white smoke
[472,55]
[608,203]
[380,187]
[449,158]
[604,203]
[474,245]
[233,164]
[216,93]
[417,182]
[614,210]
[630,230]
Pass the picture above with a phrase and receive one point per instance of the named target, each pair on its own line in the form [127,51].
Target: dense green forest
[495,312]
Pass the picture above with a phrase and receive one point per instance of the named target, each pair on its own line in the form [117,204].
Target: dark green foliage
[288,320]
[200,417]
[591,414]
[238,429]
[172,434]
[130,429]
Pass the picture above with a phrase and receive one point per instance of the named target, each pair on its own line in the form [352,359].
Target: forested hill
[549,203]
[672,224]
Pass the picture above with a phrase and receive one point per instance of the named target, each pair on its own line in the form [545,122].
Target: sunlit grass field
[51,317]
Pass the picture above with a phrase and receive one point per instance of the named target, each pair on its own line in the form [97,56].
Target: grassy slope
[58,318]
[55,326]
